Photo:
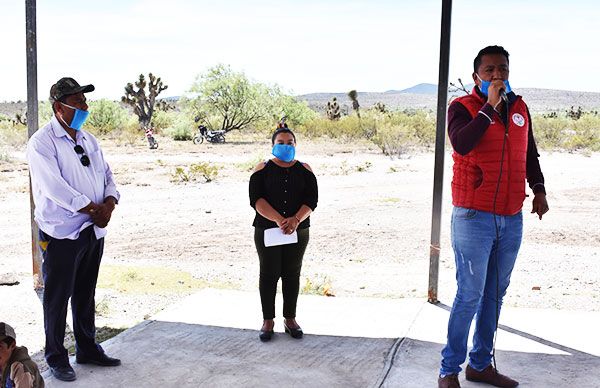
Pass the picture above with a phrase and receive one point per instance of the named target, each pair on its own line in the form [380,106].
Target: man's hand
[100,213]
[494,98]
[101,216]
[540,205]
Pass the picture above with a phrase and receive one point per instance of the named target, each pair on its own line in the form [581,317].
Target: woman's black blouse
[285,189]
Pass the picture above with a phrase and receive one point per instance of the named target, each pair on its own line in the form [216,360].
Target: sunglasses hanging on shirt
[84,158]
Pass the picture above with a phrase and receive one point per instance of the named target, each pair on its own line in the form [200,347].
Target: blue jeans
[483,268]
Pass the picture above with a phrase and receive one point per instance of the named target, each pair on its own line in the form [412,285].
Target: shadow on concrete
[415,364]
[530,336]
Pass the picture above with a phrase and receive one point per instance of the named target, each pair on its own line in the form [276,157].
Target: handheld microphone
[503,95]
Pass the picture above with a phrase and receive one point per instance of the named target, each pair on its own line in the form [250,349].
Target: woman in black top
[284,193]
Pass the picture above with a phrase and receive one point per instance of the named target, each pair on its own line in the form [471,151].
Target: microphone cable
[495,251]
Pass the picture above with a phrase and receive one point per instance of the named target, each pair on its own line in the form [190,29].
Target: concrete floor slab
[210,340]
[173,354]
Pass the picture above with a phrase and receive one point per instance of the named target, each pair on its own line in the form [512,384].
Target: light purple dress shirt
[61,185]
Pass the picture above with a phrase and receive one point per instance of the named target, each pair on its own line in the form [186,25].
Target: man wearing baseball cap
[17,369]
[74,195]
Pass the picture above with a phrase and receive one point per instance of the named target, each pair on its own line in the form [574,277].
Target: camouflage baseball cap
[7,331]
[67,86]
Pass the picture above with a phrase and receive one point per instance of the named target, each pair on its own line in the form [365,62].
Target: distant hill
[424,96]
[417,89]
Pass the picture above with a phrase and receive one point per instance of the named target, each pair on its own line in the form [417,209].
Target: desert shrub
[319,285]
[585,134]
[417,127]
[421,124]
[129,133]
[163,119]
[348,127]
[183,128]
[105,116]
[560,132]
[394,132]
[204,170]
[550,132]
[4,155]
[395,140]
[249,165]
[11,135]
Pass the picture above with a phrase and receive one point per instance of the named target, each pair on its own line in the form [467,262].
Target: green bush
[296,112]
[183,129]
[105,116]
[45,112]
[162,120]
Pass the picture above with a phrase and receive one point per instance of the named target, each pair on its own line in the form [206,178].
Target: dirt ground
[369,237]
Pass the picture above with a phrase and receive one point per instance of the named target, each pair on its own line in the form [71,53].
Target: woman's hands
[288,225]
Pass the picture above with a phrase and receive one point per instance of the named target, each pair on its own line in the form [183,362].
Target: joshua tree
[20,119]
[380,107]
[333,109]
[353,95]
[144,104]
[575,114]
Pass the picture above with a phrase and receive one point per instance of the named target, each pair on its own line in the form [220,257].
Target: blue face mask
[486,84]
[284,152]
[78,118]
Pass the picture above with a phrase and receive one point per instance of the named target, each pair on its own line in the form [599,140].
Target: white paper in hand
[275,236]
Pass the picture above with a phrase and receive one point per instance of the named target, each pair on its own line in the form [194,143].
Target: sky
[304,46]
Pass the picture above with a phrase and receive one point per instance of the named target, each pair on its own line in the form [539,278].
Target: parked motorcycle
[210,136]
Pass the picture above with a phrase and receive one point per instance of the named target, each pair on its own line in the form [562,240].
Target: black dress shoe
[265,335]
[64,373]
[295,333]
[101,359]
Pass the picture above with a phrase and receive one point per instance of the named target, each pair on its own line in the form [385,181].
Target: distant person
[74,195]
[284,193]
[16,367]
[494,153]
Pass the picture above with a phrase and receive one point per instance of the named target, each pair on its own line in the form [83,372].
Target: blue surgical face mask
[78,118]
[284,152]
[486,84]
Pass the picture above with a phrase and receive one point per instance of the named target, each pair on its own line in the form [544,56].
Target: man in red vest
[494,153]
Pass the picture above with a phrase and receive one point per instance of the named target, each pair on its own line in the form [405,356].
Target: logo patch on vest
[518,119]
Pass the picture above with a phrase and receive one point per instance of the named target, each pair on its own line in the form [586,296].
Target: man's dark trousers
[70,270]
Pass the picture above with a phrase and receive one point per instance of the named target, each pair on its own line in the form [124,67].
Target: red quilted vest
[476,174]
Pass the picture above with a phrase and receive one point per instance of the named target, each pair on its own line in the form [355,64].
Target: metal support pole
[32,125]
[440,140]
